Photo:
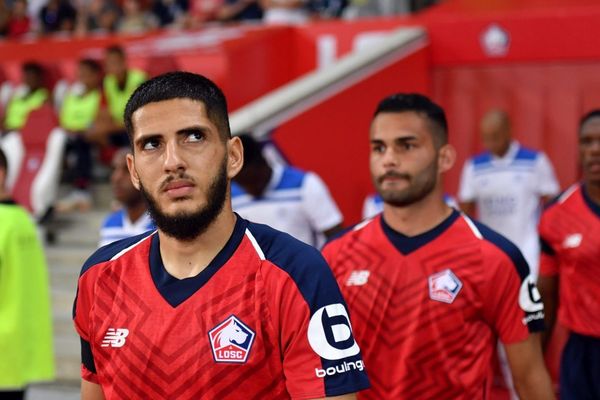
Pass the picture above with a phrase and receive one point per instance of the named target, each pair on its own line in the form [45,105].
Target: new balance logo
[358,278]
[572,241]
[115,337]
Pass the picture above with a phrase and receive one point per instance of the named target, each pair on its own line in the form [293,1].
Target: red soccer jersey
[570,235]
[265,320]
[427,310]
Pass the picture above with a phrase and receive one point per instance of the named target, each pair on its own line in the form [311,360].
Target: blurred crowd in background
[32,19]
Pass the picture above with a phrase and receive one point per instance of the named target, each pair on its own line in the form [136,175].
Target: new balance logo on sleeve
[115,337]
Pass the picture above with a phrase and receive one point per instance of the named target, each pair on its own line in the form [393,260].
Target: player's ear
[135,179]
[235,152]
[446,157]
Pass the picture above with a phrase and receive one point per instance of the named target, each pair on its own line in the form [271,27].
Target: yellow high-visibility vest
[20,106]
[78,112]
[117,98]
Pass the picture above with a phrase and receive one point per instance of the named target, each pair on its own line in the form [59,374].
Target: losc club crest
[231,341]
[444,286]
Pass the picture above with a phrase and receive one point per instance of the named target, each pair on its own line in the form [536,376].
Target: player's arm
[320,207]
[530,376]
[91,391]
[548,287]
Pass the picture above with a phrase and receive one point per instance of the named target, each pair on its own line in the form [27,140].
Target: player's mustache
[182,176]
[393,174]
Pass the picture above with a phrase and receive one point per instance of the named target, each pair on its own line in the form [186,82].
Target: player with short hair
[429,289]
[570,268]
[132,218]
[288,199]
[211,305]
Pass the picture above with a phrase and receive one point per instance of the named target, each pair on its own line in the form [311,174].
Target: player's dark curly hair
[181,85]
[414,102]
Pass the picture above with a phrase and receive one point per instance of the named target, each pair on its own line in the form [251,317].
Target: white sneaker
[78,199]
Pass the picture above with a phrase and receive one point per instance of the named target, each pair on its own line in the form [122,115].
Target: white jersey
[294,201]
[507,191]
[118,226]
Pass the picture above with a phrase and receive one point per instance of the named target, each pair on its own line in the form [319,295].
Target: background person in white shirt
[286,198]
[132,219]
[507,185]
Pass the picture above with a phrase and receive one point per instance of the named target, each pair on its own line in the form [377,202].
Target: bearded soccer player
[210,306]
[570,269]
[429,289]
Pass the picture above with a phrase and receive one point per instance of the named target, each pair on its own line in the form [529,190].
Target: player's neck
[593,191]
[187,259]
[419,217]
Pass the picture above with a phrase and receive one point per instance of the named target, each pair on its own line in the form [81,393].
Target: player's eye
[150,144]
[378,148]
[195,136]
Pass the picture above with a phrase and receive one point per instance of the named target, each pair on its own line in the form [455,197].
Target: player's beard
[187,226]
[420,185]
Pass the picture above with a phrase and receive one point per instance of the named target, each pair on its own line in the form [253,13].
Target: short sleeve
[319,354]
[547,184]
[513,304]
[466,191]
[318,204]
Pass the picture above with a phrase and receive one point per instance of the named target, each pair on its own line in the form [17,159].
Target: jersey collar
[176,291]
[407,244]
[510,154]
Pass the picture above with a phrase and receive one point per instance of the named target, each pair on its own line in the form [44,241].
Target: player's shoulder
[14,216]
[292,178]
[480,160]
[494,245]
[283,250]
[236,190]
[527,154]
[113,250]
[352,233]
[114,219]
[564,199]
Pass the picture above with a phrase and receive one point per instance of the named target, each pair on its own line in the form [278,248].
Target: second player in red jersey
[430,290]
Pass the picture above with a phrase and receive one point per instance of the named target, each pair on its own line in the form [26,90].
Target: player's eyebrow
[180,132]
[397,140]
[193,129]
[405,139]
